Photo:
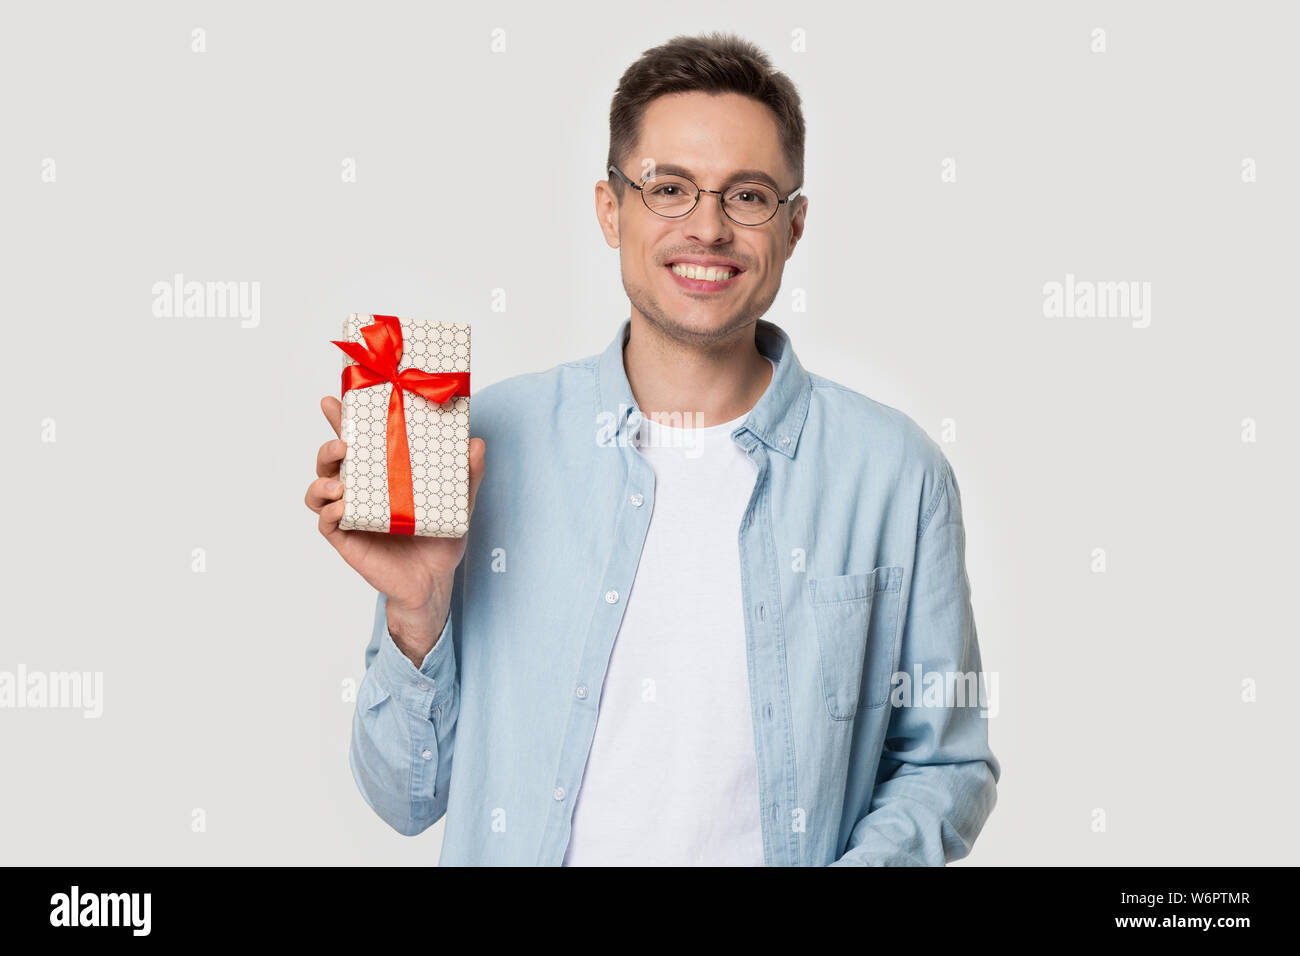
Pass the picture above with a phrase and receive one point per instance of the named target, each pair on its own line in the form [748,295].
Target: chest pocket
[858,637]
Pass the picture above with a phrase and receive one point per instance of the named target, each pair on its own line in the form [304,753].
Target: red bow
[378,360]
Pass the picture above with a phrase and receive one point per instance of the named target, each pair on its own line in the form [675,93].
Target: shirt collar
[777,420]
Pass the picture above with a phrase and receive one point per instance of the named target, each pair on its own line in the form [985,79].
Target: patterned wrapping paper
[438,435]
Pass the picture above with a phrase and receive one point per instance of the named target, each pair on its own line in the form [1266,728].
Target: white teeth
[707,273]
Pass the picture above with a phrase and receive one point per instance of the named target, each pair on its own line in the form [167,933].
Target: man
[692,569]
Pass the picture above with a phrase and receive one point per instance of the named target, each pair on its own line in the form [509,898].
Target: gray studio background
[1119,691]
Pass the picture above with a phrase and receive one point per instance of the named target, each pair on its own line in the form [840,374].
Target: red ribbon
[378,360]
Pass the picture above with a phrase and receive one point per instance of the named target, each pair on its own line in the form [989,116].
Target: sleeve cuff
[421,690]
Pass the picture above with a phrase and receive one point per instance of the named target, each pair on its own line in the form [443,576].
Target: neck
[696,385]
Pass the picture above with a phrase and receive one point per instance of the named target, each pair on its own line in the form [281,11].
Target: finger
[333,410]
[328,523]
[319,493]
[328,457]
[477,461]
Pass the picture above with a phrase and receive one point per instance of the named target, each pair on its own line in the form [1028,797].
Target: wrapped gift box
[434,500]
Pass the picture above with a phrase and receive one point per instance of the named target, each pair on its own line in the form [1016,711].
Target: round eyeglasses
[671,196]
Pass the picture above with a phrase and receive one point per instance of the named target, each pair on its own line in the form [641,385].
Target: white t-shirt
[672,778]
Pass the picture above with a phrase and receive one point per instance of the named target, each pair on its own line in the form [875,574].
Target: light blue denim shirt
[852,554]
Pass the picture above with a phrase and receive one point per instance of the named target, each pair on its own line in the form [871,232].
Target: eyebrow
[738,175]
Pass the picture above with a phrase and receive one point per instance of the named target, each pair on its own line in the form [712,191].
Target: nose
[706,223]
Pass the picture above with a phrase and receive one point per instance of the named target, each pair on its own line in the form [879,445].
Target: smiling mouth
[704,273]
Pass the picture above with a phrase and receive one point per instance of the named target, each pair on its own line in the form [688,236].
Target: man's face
[711,137]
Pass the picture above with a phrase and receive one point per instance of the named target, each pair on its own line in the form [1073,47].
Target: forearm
[924,816]
[403,731]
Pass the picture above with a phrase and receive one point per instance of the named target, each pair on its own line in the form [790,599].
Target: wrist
[416,630]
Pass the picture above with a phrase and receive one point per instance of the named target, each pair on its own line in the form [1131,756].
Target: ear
[796,226]
[607,213]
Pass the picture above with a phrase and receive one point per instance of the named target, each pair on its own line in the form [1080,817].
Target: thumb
[477,456]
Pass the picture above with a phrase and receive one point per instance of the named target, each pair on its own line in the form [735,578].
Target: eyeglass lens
[748,203]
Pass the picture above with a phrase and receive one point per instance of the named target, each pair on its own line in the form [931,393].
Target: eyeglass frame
[700,191]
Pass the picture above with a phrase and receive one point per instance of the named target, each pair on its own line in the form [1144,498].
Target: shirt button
[427,755]
[558,793]
[611,596]
[638,500]
[581,692]
[423,686]
[785,441]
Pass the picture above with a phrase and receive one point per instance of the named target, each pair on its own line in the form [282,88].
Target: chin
[697,326]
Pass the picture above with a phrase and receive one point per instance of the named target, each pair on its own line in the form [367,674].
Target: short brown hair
[710,63]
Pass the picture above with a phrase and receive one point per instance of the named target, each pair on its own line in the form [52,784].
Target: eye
[748,196]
